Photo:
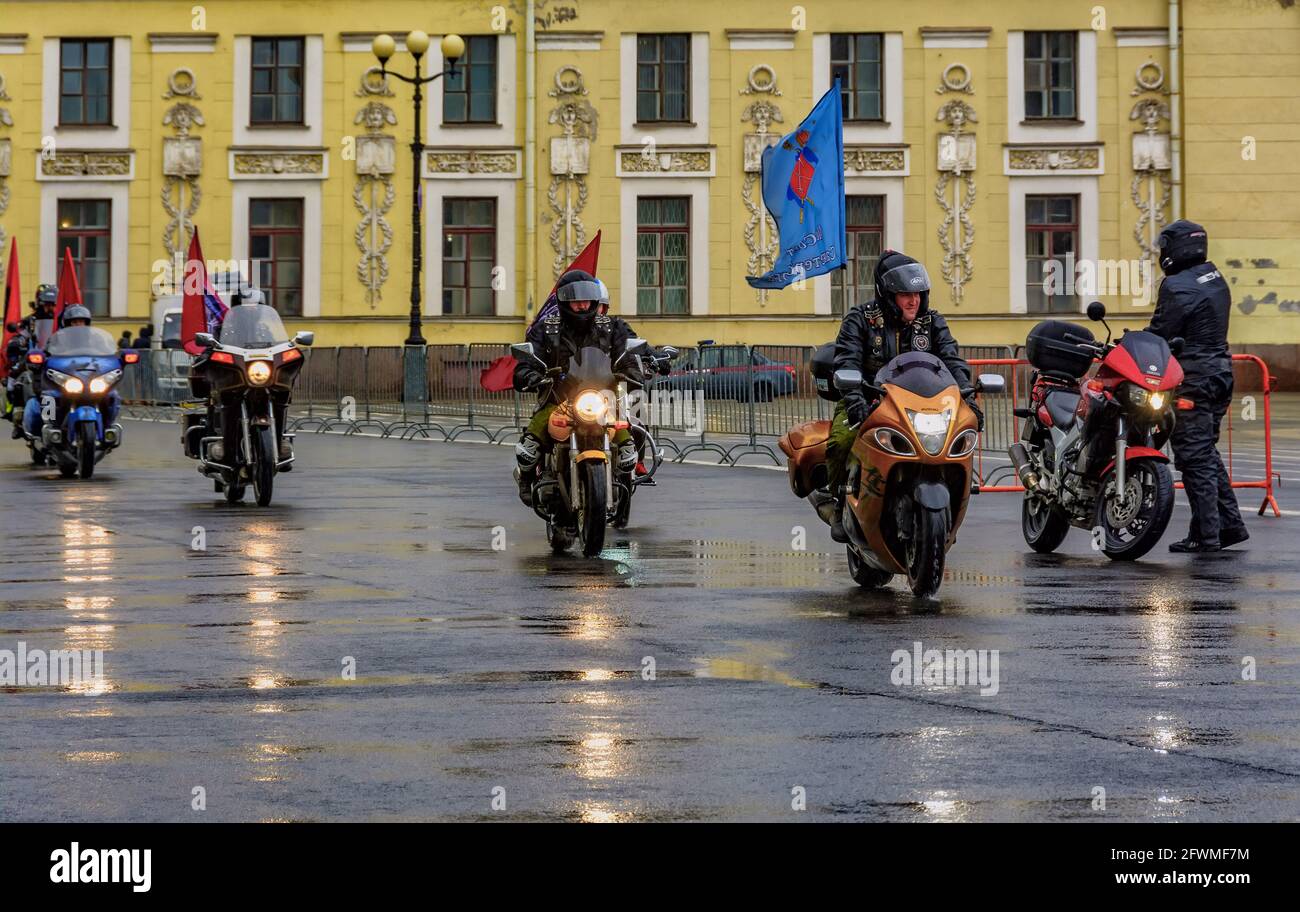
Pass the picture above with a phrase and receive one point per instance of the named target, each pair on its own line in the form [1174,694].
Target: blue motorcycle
[71,421]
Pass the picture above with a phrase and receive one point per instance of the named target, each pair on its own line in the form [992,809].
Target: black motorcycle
[248,370]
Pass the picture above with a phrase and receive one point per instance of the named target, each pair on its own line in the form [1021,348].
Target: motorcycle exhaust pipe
[1024,468]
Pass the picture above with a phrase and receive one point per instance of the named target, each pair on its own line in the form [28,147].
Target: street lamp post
[417,42]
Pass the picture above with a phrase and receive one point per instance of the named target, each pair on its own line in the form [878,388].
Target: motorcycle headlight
[590,406]
[69,383]
[259,372]
[931,428]
[1157,402]
[102,384]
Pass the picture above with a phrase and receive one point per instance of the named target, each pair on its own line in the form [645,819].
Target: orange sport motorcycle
[910,478]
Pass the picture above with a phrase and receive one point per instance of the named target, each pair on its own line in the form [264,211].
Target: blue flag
[803,188]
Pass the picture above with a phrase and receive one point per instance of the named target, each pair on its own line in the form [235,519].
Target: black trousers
[1196,456]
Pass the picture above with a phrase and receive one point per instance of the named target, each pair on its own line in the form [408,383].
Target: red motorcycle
[1090,452]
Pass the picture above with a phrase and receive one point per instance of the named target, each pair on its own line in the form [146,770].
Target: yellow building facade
[981,137]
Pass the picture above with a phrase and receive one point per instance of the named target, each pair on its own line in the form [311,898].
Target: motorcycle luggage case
[1049,350]
[823,371]
[805,446]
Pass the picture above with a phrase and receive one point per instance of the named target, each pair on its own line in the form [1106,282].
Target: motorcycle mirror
[305,338]
[991,383]
[1096,311]
[634,346]
[669,352]
[1176,346]
[523,351]
[846,380]
[205,339]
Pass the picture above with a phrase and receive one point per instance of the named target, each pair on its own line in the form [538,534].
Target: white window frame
[1086,189]
[116,137]
[119,194]
[694,133]
[891,188]
[243,192]
[503,132]
[891,130]
[697,189]
[504,191]
[313,56]
[1085,75]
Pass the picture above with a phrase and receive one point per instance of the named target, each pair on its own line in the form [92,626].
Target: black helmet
[578,285]
[46,296]
[1182,244]
[76,312]
[898,273]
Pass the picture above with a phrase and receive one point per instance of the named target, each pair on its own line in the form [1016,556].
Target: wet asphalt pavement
[480,669]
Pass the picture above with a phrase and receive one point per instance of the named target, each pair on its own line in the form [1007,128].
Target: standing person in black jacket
[897,320]
[1194,304]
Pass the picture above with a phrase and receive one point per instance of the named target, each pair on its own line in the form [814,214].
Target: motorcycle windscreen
[252,326]
[920,373]
[89,341]
[590,368]
[1149,352]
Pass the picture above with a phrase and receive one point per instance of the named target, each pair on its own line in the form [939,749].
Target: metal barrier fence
[730,401]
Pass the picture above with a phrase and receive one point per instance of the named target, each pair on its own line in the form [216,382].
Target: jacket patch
[1209,277]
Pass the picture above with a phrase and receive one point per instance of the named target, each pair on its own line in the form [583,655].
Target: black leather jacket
[556,342]
[1194,304]
[870,338]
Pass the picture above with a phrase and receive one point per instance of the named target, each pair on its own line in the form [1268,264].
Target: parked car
[734,372]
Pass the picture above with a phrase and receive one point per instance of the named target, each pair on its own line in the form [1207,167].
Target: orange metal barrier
[1018,372]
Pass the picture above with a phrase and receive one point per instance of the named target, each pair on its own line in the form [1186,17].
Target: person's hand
[856,410]
[529,379]
[979,414]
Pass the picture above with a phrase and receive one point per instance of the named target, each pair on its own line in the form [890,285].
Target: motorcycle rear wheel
[926,552]
[1045,528]
[591,524]
[865,575]
[86,450]
[1156,486]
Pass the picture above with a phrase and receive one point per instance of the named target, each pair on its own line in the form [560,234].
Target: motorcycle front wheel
[263,465]
[1132,528]
[591,524]
[85,449]
[926,551]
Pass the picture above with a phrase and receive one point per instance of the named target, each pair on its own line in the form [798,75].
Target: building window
[858,61]
[275,245]
[85,229]
[277,81]
[865,227]
[1051,249]
[471,95]
[85,83]
[663,241]
[1049,74]
[663,78]
[469,253]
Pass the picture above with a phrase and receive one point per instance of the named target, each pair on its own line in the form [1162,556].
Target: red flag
[69,288]
[498,376]
[586,261]
[201,309]
[13,305]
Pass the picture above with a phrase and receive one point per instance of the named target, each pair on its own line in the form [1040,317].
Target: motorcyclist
[897,320]
[1193,304]
[15,355]
[556,338]
[76,315]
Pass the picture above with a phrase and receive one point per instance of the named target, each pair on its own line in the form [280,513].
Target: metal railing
[727,401]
